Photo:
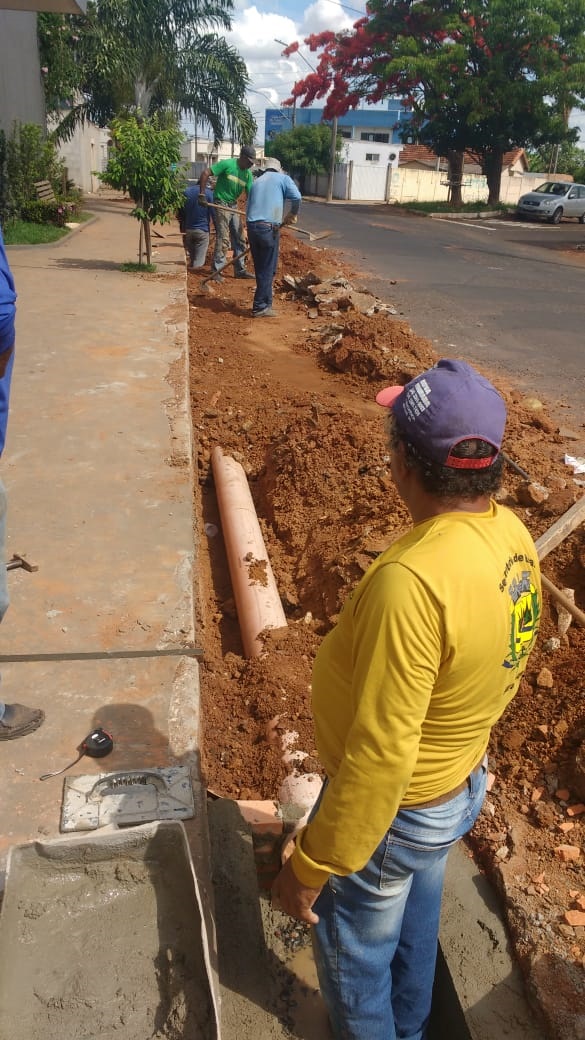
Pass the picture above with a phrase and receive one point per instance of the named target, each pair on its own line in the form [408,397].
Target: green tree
[304,150]
[564,158]
[145,163]
[130,56]
[478,75]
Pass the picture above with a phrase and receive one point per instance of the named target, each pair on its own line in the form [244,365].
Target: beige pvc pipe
[255,592]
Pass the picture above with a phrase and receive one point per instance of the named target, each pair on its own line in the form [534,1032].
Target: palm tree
[151,56]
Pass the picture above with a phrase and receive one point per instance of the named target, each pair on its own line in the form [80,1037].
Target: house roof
[423,156]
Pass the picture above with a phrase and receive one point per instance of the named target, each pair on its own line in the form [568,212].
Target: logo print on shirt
[524,617]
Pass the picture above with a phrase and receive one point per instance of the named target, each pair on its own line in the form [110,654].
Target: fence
[373,182]
[376,183]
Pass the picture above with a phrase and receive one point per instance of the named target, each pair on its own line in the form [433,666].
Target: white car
[552,201]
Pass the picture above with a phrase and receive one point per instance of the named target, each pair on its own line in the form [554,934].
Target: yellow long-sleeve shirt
[428,651]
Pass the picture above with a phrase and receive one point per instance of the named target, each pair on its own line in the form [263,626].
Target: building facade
[21,86]
[375,126]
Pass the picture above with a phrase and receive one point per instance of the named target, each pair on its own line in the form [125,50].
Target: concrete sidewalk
[98,469]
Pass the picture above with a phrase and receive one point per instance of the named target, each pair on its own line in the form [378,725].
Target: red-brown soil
[291,398]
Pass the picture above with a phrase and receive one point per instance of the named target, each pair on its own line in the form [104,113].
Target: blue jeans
[4,599]
[264,239]
[228,231]
[376,941]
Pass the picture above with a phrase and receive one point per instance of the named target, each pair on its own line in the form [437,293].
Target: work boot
[18,720]
[245,274]
[217,278]
[268,312]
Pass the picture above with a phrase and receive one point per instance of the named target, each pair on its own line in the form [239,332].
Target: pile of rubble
[334,296]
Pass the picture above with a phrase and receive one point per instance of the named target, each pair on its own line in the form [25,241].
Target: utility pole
[332,159]
[294,113]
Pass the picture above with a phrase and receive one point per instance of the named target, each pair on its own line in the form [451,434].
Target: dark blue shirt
[7,333]
[197,217]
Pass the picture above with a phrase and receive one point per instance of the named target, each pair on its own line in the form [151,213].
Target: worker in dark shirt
[196,221]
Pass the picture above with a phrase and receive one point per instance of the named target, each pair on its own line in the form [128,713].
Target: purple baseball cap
[445,405]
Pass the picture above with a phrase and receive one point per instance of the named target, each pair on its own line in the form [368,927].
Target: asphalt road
[503,293]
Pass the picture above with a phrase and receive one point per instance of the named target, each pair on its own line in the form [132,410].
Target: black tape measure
[97,744]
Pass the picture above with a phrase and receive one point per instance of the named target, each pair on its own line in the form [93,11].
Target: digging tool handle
[226,209]
[564,601]
[515,466]
[222,269]
[289,227]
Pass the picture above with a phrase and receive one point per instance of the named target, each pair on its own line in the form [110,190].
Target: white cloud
[326,15]
[254,34]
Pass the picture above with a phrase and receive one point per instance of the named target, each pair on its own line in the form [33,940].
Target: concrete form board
[487,980]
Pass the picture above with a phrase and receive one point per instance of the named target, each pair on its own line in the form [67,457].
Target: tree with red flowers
[478,75]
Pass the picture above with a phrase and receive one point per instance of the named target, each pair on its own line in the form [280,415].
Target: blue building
[380,126]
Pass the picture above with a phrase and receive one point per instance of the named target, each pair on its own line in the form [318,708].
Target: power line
[345,7]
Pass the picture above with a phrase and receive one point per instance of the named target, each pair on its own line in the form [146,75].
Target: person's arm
[397,648]
[208,195]
[7,310]
[203,185]
[292,193]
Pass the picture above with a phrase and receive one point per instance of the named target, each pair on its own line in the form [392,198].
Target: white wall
[356,151]
[430,186]
[21,88]
[84,154]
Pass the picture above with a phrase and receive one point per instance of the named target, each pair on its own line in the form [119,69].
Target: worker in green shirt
[233,177]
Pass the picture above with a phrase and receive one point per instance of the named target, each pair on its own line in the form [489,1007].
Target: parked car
[552,201]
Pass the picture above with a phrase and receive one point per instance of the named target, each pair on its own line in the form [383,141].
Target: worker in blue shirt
[15,719]
[196,220]
[264,219]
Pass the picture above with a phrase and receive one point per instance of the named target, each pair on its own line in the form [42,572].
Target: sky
[256,28]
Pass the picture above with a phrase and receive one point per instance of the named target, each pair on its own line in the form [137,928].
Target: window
[346,133]
[372,157]
[376,138]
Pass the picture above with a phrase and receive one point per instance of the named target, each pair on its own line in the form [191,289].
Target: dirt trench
[292,399]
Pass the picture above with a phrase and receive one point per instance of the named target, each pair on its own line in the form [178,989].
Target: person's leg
[416,955]
[376,941]
[198,244]
[238,242]
[275,260]
[222,238]
[262,246]
[15,719]
[188,237]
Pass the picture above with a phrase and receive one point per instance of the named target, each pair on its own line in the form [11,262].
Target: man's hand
[291,218]
[290,895]
[202,200]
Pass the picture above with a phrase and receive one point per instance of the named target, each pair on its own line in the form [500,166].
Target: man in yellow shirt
[428,651]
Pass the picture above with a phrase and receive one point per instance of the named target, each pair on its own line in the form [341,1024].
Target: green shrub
[39,211]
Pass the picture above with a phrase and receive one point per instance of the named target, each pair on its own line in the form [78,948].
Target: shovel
[314,236]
